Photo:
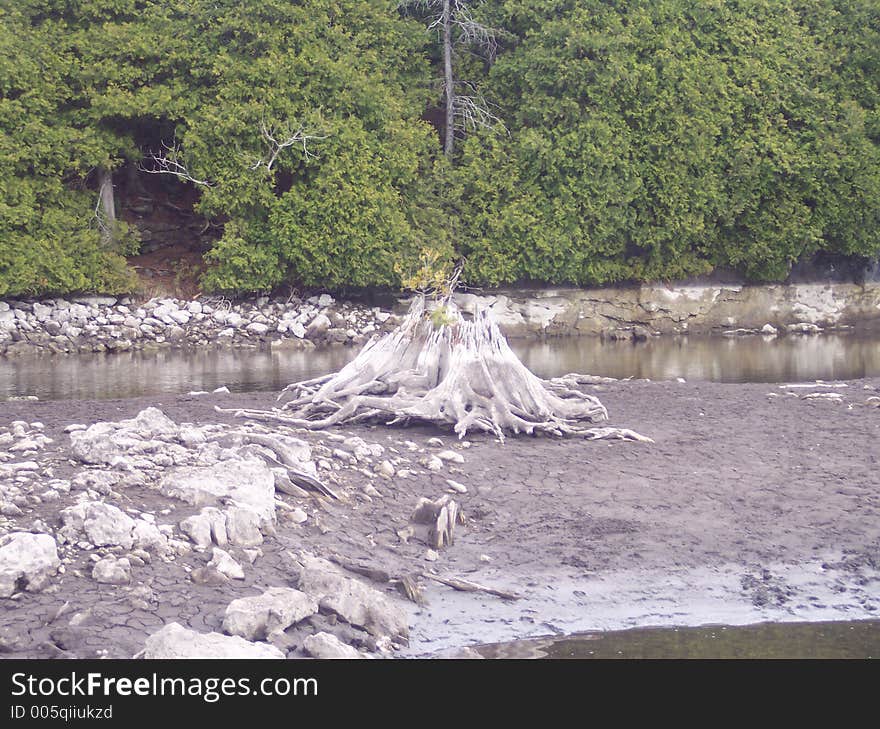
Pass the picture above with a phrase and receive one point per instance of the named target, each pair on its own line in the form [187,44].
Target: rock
[278,608]
[223,562]
[451,456]
[175,641]
[353,600]
[221,391]
[328,646]
[257,328]
[318,325]
[803,328]
[103,442]
[298,516]
[198,529]
[208,576]
[27,562]
[456,486]
[769,330]
[385,469]
[246,483]
[243,527]
[103,524]
[112,571]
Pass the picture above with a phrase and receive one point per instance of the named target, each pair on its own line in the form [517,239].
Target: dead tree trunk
[442,368]
[448,80]
[106,212]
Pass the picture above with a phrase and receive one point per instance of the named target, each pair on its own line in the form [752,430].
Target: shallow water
[828,640]
[720,359]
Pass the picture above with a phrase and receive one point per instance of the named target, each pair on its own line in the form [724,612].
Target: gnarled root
[461,374]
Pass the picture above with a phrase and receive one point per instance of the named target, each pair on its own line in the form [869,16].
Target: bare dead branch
[284,137]
[473,112]
[170,162]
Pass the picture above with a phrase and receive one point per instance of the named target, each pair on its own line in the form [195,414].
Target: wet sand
[752,504]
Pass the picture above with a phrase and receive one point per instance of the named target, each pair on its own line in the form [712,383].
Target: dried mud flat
[755,502]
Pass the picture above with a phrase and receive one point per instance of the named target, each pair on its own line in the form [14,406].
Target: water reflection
[845,639]
[719,359]
[748,359]
[131,374]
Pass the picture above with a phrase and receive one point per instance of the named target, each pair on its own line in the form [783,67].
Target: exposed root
[444,370]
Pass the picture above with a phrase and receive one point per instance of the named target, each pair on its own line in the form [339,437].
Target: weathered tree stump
[440,367]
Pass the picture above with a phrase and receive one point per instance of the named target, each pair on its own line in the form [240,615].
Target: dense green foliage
[662,138]
[642,139]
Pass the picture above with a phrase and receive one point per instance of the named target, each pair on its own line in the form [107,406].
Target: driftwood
[442,368]
[467,586]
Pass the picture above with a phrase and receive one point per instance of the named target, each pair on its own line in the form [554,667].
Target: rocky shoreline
[163,527]
[89,324]
[86,324]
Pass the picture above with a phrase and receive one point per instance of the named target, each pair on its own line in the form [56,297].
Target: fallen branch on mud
[467,586]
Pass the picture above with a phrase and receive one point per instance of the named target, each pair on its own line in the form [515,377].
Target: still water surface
[829,640]
[720,359]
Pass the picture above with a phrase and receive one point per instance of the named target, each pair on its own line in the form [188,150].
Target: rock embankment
[108,324]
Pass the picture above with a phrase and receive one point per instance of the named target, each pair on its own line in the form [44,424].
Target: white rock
[243,527]
[248,483]
[298,516]
[353,600]
[234,320]
[278,608]
[175,641]
[198,529]
[102,442]
[223,562]
[328,646]
[221,390]
[385,469]
[112,571]
[181,316]
[27,561]
[257,328]
[319,324]
[456,486]
[103,524]
[451,456]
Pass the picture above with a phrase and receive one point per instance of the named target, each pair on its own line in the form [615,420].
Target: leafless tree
[455,25]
